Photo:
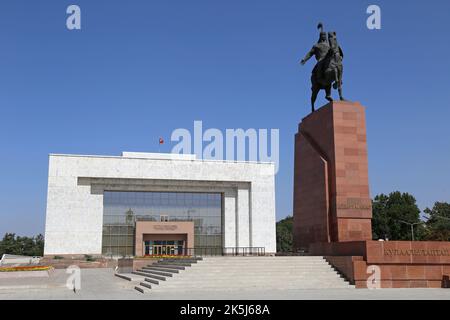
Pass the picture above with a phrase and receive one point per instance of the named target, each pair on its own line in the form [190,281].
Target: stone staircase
[237,273]
[155,274]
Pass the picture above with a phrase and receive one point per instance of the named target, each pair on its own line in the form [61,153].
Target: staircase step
[252,271]
[168,266]
[122,276]
[312,285]
[300,263]
[154,276]
[151,280]
[159,273]
[259,279]
[161,269]
[266,258]
[251,289]
[140,289]
[146,284]
[265,281]
[174,264]
[267,267]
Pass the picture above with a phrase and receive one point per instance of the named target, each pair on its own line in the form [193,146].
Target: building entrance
[164,247]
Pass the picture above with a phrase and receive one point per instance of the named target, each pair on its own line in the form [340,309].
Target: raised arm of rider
[308,56]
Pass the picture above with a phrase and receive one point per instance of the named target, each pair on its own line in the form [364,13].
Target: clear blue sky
[140,69]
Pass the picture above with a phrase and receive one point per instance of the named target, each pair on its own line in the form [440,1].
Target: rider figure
[319,50]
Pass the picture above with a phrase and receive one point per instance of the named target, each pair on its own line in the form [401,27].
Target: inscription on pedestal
[417,252]
[355,203]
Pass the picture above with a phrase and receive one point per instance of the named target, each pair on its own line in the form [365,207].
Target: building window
[122,209]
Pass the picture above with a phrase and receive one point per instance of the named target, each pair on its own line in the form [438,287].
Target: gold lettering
[417,252]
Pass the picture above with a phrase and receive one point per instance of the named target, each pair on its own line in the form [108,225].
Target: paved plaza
[102,284]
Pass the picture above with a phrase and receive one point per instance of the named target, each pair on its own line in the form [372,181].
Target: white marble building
[76,186]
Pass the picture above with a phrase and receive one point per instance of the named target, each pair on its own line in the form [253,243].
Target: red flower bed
[26,268]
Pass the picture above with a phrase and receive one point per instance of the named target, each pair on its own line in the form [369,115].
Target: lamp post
[412,227]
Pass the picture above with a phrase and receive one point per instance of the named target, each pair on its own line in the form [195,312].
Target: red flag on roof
[161,140]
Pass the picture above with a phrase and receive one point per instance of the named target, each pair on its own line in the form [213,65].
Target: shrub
[89,258]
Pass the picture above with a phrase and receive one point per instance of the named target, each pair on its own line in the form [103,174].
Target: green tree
[380,221]
[8,245]
[12,244]
[388,214]
[38,245]
[25,245]
[284,235]
[438,223]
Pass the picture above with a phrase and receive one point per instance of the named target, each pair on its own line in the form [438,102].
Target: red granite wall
[402,264]
[331,185]
[311,180]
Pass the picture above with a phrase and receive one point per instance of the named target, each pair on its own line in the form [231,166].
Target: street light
[412,227]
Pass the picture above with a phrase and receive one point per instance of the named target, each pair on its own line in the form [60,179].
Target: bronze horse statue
[329,69]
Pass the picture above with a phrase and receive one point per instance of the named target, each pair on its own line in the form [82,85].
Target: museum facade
[141,204]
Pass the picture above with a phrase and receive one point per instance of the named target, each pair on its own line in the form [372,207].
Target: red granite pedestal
[400,264]
[333,211]
[331,184]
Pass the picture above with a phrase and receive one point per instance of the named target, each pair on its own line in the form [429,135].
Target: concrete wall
[74,216]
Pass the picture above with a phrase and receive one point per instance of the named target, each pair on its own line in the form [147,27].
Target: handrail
[224,251]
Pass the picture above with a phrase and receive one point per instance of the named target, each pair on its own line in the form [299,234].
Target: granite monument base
[331,183]
[389,264]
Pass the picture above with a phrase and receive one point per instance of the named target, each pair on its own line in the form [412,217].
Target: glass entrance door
[157,249]
[166,247]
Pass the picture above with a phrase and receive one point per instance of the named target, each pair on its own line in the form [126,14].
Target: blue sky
[140,69]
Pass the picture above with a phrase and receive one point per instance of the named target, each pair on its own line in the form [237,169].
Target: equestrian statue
[327,72]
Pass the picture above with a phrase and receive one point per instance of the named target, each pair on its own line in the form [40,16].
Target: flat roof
[159,156]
